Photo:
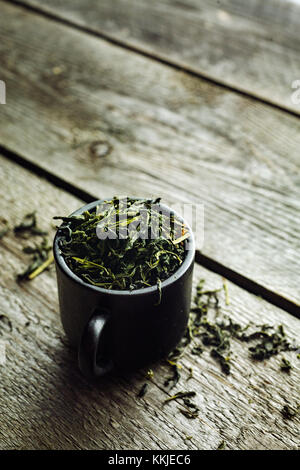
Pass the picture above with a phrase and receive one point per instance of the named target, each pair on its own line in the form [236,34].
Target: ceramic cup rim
[187,262]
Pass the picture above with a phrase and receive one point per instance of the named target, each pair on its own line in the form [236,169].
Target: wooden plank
[250,46]
[46,404]
[112,122]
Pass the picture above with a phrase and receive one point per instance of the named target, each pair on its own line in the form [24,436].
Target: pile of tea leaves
[123,245]
[209,329]
[39,250]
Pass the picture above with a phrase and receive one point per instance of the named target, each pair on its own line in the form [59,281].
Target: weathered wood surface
[252,46]
[46,404]
[112,122]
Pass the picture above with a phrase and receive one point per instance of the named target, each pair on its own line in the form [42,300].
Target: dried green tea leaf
[197,351]
[4,320]
[188,413]
[40,260]
[216,334]
[143,390]
[190,376]
[180,395]
[174,378]
[285,365]
[224,361]
[29,225]
[289,413]
[222,445]
[28,222]
[150,374]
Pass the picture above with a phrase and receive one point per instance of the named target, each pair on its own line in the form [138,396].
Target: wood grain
[46,404]
[251,46]
[111,122]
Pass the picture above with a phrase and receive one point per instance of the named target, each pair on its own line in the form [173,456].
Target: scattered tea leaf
[40,260]
[271,341]
[222,360]
[6,321]
[188,413]
[285,365]
[143,390]
[150,374]
[225,287]
[188,403]
[28,222]
[174,378]
[180,395]
[197,351]
[190,376]
[29,225]
[216,333]
[288,412]
[222,445]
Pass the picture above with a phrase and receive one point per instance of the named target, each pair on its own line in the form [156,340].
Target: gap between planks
[152,56]
[203,260]
[248,173]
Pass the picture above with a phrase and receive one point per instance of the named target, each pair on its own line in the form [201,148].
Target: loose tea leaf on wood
[180,395]
[29,226]
[142,392]
[174,378]
[285,365]
[4,320]
[40,259]
[188,413]
[216,332]
[222,445]
[290,413]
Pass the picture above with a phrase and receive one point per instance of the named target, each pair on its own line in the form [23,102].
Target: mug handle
[88,347]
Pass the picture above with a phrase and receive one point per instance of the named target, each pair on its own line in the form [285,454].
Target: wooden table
[192,101]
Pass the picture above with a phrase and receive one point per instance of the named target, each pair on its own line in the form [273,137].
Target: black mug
[122,329]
